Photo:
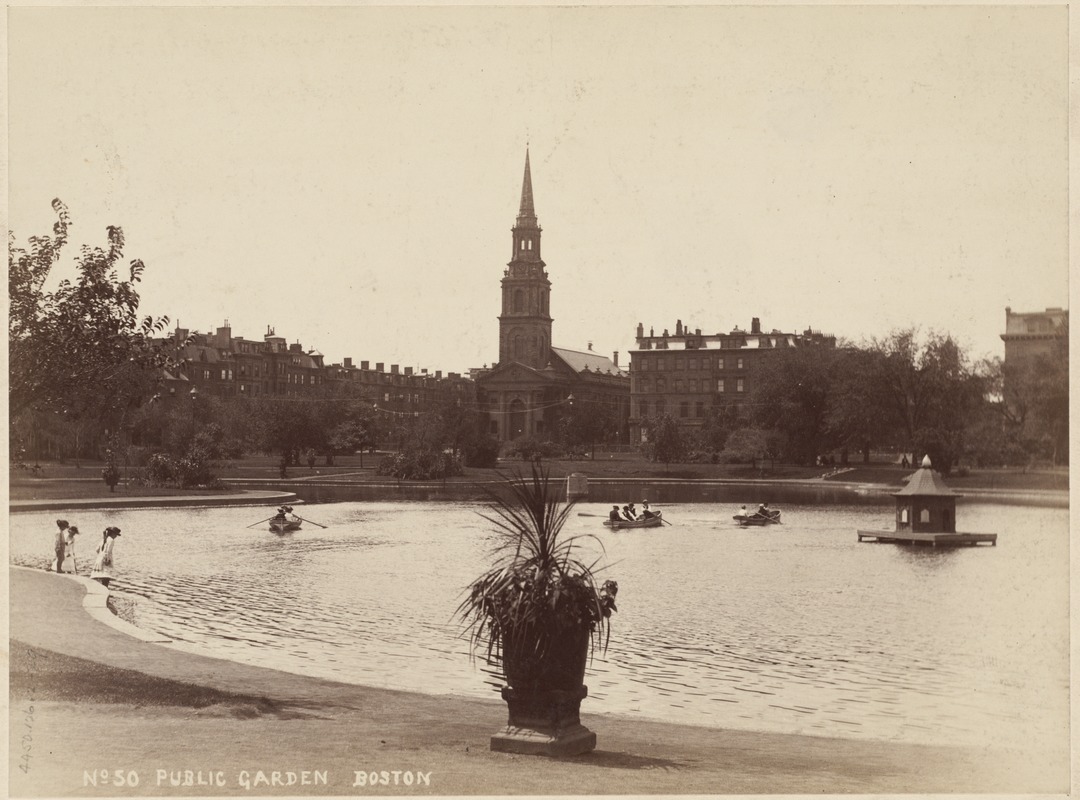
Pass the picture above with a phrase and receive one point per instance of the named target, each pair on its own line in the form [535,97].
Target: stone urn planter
[538,614]
[544,697]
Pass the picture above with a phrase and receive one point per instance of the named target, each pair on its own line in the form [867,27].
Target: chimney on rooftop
[379,366]
[755,325]
[615,357]
[393,369]
[590,347]
[348,361]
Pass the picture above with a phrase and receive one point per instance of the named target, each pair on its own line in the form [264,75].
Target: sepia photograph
[508,400]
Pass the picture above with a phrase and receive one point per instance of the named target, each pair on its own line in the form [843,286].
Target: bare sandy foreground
[95,712]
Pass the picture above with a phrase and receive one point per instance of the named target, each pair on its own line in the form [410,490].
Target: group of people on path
[64,550]
[629,512]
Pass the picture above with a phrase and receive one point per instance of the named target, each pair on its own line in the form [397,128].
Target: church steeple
[525,322]
[526,213]
[526,229]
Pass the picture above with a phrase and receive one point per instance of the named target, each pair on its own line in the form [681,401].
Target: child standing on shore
[59,546]
[102,572]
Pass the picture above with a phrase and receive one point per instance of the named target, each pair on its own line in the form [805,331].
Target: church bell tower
[525,322]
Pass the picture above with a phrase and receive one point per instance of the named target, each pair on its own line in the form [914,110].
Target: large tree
[791,395]
[81,348]
[665,442]
[586,424]
[928,391]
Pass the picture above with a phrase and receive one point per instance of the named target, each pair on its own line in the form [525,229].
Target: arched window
[924,515]
[530,244]
[903,515]
[519,300]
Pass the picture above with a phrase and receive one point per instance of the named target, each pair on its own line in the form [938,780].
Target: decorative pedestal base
[544,723]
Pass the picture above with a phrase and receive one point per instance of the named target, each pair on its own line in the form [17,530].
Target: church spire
[526,213]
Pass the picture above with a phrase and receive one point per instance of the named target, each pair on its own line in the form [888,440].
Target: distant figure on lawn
[59,547]
[103,564]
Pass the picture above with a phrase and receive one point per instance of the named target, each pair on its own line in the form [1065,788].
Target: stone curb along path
[254,498]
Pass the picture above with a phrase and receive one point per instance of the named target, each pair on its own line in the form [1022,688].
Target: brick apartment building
[687,373]
[223,365]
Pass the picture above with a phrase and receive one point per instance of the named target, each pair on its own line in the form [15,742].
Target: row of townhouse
[223,365]
[687,373]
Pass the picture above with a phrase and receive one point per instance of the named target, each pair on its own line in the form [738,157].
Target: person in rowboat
[614,515]
[645,512]
[626,514]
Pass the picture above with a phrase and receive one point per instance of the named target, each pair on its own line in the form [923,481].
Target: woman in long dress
[103,564]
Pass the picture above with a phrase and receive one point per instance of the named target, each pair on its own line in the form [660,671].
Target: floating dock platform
[933,539]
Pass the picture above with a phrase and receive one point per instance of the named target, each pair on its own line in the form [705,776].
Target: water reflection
[794,628]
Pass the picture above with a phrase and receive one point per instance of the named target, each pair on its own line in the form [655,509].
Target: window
[643,409]
[691,363]
[660,407]
[643,386]
[661,385]
[530,244]
[644,365]
[720,364]
[680,364]
[924,515]
[903,515]
[693,384]
[661,365]
[519,300]
[738,363]
[699,409]
[684,409]
[386,395]
[206,374]
[720,384]
[739,385]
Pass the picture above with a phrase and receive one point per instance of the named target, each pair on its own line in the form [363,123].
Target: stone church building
[534,383]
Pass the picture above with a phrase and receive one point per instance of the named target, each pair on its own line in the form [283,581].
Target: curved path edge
[384,727]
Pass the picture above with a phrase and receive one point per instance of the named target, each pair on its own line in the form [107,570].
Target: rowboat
[768,518]
[645,522]
[285,525]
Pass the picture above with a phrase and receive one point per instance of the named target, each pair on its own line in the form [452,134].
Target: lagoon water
[793,628]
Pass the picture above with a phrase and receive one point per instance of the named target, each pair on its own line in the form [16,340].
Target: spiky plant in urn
[538,614]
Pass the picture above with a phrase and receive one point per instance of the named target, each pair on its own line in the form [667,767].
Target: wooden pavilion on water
[926,514]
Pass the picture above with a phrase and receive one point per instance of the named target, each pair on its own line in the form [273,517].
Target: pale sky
[349,176]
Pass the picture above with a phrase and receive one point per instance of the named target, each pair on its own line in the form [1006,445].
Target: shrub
[160,470]
[531,449]
[483,452]
[420,464]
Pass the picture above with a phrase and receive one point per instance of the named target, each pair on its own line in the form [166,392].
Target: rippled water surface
[794,628]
